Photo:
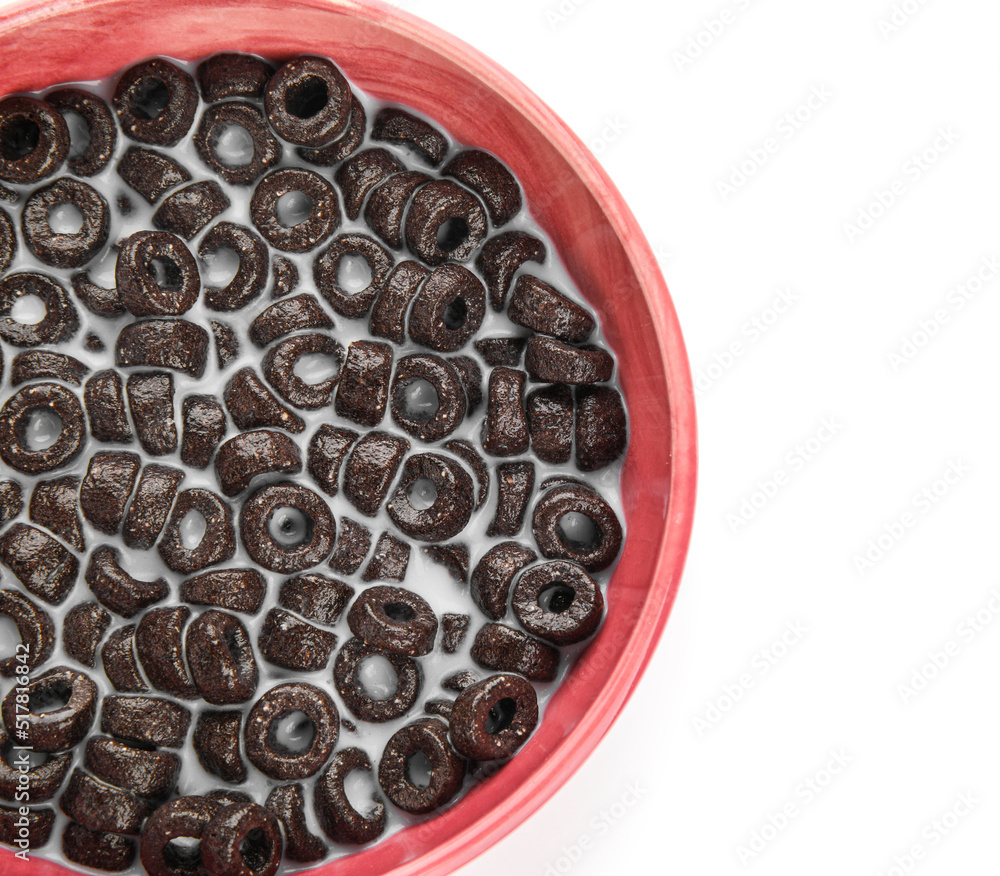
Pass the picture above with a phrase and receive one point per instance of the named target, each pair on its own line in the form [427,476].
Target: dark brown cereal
[220,656]
[65,249]
[251,275]
[308,101]
[393,621]
[289,642]
[163,343]
[42,781]
[505,427]
[538,306]
[145,720]
[105,400]
[32,826]
[150,173]
[287,316]
[450,498]
[388,319]
[353,542]
[120,664]
[448,309]
[117,589]
[227,345]
[558,602]
[75,697]
[253,406]
[429,420]
[287,803]
[97,848]
[154,497]
[439,707]
[60,322]
[322,220]
[101,131]
[82,630]
[363,388]
[550,361]
[43,566]
[327,267]
[188,210]
[54,506]
[494,718]
[454,557]
[150,774]
[279,364]
[453,630]
[16,415]
[242,839]
[387,205]
[8,241]
[11,501]
[94,343]
[550,423]
[595,553]
[444,221]
[354,692]
[500,648]
[302,543]
[337,817]
[39,364]
[371,468]
[184,817]
[515,483]
[216,122]
[502,351]
[155,102]
[228,796]
[460,681]
[217,545]
[428,736]
[34,138]
[235,589]
[36,630]
[344,146]
[471,457]
[327,449]
[159,642]
[601,427]
[394,125]
[389,560]
[284,276]
[124,205]
[216,741]
[489,179]
[250,454]
[233,74]
[316,597]
[492,577]
[502,257]
[471,375]
[101,807]
[268,753]
[360,173]
[151,401]
[204,426]
[105,490]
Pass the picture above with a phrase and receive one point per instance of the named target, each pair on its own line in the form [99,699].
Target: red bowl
[43,43]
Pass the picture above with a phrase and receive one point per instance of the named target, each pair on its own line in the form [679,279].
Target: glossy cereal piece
[325,456]
[291,643]
[39,364]
[454,558]
[217,545]
[101,807]
[253,406]
[460,681]
[342,147]
[444,221]
[15,417]
[550,361]
[558,602]
[308,101]
[60,728]
[595,554]
[97,848]
[204,427]
[550,423]
[439,707]
[453,631]
[501,258]
[36,140]
[233,589]
[54,506]
[538,306]
[60,322]
[287,316]
[117,589]
[94,343]
[386,206]
[361,173]
[220,656]
[105,490]
[389,560]
[149,774]
[340,821]
[393,621]
[287,804]
[502,351]
[324,215]
[295,547]
[500,648]
[155,102]
[388,316]
[363,386]
[147,513]
[163,343]
[352,304]
[276,761]
[279,364]
[43,566]
[33,827]
[188,210]
[120,664]
[152,174]
[104,398]
[228,796]
[284,276]
[159,642]
[354,693]
[216,741]
[395,125]
[183,817]
[151,401]
[451,508]
[494,718]
[251,275]
[489,179]
[101,131]
[43,781]
[316,597]
[83,627]
[36,631]
[255,453]
[430,737]
[145,720]
[353,543]
[233,74]
[471,457]
[505,427]
[227,345]
[371,468]
[215,123]
[448,309]
[65,249]
[515,484]
[494,573]
[8,241]
[11,501]
[601,427]
[471,375]
[242,839]
[427,421]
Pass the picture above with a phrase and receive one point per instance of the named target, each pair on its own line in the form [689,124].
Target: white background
[874,433]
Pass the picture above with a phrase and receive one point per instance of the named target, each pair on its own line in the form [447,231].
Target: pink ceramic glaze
[398,58]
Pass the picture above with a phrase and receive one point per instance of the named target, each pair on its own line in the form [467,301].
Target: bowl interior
[604,251]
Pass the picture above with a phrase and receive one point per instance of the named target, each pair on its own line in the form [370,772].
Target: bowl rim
[671,549]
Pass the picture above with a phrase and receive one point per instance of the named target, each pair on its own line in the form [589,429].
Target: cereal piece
[538,306]
[471,375]
[227,345]
[494,718]
[327,449]
[550,423]
[353,542]
[8,241]
[460,681]
[429,419]
[94,343]
[163,343]
[393,621]
[251,276]
[105,490]
[505,427]
[500,648]
[388,319]
[301,534]
[387,205]
[119,662]
[389,560]
[204,426]
[145,720]
[501,258]
[82,630]
[263,748]
[100,807]
[515,483]
[151,401]
[471,457]
[345,145]
[316,597]
[39,364]
[60,322]
[117,589]
[105,401]
[428,736]
[25,828]
[492,577]
[159,644]
[154,497]
[502,351]
[42,780]
[221,658]
[489,179]
[43,566]
[53,505]
[251,454]
[454,557]
[291,643]
[216,741]
[35,628]
[11,501]
[99,141]
[363,388]
[190,209]
[598,548]
[551,361]
[444,222]
[235,589]
[233,74]
[242,839]
[210,139]
[558,602]
[97,848]
[266,213]
[287,803]
[448,309]
[337,817]
[150,774]
[16,415]
[228,796]
[284,276]
[439,707]
[182,818]
[65,249]
[38,138]
[371,468]
[156,102]
[349,302]
[253,406]
[287,316]
[308,101]
[75,698]
[601,427]
[451,498]
[394,125]
[217,545]
[150,173]
[361,173]
[279,370]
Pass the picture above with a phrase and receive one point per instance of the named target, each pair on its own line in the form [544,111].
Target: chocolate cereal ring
[453,630]
[152,174]
[36,630]
[492,719]
[291,643]
[558,602]
[271,756]
[233,589]
[204,427]
[538,306]
[345,145]
[353,543]
[251,275]
[251,454]
[25,828]
[82,629]
[242,839]
[339,820]
[287,316]
[43,566]
[287,804]
[34,140]
[253,406]
[505,427]
[328,265]
[54,506]
[184,817]
[600,548]
[279,364]
[266,213]
[233,74]
[316,597]
[361,173]
[119,662]
[151,401]
[116,589]
[427,419]
[218,122]
[515,483]
[60,322]
[101,131]
[145,720]
[163,343]
[147,513]
[97,848]
[394,125]
[287,528]
[387,205]
[492,577]
[363,386]
[159,644]
[501,258]
[448,309]
[601,427]
[388,316]
[65,249]
[43,780]
[105,489]
[39,364]
[498,647]
[221,659]
[428,736]
[393,621]
[371,468]
[444,221]
[450,496]
[17,415]
[471,457]
[155,102]
[58,729]
[149,774]
[104,399]
[308,101]
[216,741]
[327,449]
[389,560]
[550,361]
[550,423]
[188,210]
[489,179]
[217,545]
[101,807]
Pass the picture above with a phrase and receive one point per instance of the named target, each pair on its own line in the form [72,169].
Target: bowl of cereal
[348,441]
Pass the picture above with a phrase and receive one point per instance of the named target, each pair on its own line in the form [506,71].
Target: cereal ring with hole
[287,528]
[34,140]
[62,248]
[345,145]
[101,135]
[595,544]
[448,309]
[34,626]
[388,319]
[353,543]
[97,848]
[489,179]
[221,659]
[163,343]
[328,268]
[43,779]
[60,322]
[394,125]
[279,366]
[308,101]
[308,190]
[538,306]
[255,453]
[151,401]
[251,275]
[149,774]
[287,316]
[601,427]
[120,664]
[43,566]
[82,630]
[436,511]
[253,406]
[501,648]
[117,589]
[216,742]
[291,643]
[493,718]
[155,102]
[515,483]
[363,386]
[558,602]
[505,426]
[371,468]
[387,205]
[233,74]
[354,692]
[151,174]
[39,364]
[502,257]
[188,210]
[225,152]
[492,577]
[147,513]
[183,818]
[59,729]
[414,410]
[361,173]
[54,506]
[393,621]
[427,736]
[337,817]
[550,361]
[101,807]
[287,804]
[325,456]
[234,589]
[316,597]
[145,720]
[444,222]
[242,839]
[269,753]
[217,544]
